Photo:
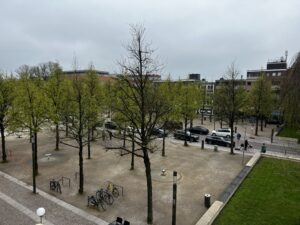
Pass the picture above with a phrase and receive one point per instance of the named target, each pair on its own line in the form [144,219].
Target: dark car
[173,125]
[110,125]
[180,134]
[199,130]
[159,132]
[216,140]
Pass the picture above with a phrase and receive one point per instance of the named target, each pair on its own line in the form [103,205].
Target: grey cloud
[190,36]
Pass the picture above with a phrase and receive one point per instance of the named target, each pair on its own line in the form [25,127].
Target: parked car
[215,140]
[180,134]
[198,130]
[110,125]
[159,132]
[173,125]
[224,132]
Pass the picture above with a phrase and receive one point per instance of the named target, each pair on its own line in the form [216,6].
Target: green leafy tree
[6,99]
[30,107]
[78,120]
[260,99]
[94,104]
[55,90]
[167,90]
[188,101]
[219,105]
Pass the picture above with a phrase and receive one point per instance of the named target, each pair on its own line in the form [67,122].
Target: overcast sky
[191,36]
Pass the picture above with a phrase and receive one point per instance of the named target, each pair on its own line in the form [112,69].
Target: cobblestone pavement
[18,205]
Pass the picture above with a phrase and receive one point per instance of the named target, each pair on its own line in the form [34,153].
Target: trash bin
[207,200]
[263,148]
[215,148]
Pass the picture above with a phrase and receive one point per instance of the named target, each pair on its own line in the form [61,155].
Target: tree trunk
[221,123]
[185,126]
[163,153]
[261,124]
[57,137]
[89,143]
[67,128]
[256,126]
[149,186]
[4,158]
[265,123]
[80,191]
[124,139]
[191,123]
[132,153]
[93,134]
[202,115]
[36,154]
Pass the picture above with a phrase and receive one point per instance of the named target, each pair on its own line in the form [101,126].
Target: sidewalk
[19,195]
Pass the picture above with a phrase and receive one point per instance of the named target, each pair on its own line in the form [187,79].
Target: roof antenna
[286,55]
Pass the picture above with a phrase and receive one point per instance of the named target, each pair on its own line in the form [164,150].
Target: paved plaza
[199,172]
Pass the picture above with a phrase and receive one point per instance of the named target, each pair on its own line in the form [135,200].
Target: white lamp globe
[40,212]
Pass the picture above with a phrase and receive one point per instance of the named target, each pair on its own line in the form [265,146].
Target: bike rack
[65,178]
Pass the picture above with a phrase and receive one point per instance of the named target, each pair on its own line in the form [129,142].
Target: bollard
[272,134]
[202,144]
[207,200]
[215,148]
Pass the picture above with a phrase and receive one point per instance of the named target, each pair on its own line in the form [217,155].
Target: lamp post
[174,197]
[41,212]
[33,164]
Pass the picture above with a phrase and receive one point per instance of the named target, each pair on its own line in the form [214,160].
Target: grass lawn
[290,132]
[269,195]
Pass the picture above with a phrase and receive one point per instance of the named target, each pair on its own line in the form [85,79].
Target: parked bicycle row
[105,197]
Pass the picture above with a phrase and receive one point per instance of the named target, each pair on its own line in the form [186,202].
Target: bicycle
[113,190]
[92,201]
[55,186]
[103,195]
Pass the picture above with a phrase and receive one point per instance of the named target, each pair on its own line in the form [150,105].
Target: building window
[279,73]
[268,74]
[273,74]
[249,83]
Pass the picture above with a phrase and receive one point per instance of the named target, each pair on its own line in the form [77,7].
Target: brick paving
[16,194]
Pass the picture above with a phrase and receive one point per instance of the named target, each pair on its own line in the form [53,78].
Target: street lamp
[41,212]
[33,164]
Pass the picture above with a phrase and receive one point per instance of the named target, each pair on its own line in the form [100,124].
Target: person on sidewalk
[246,145]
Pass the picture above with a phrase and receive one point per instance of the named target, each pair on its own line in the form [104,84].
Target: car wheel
[228,145]
[228,136]
[213,134]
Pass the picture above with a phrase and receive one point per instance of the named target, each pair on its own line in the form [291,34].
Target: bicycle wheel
[108,198]
[58,188]
[115,192]
[102,204]
[52,185]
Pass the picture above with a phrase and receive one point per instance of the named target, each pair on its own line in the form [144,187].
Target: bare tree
[291,94]
[233,99]
[139,101]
